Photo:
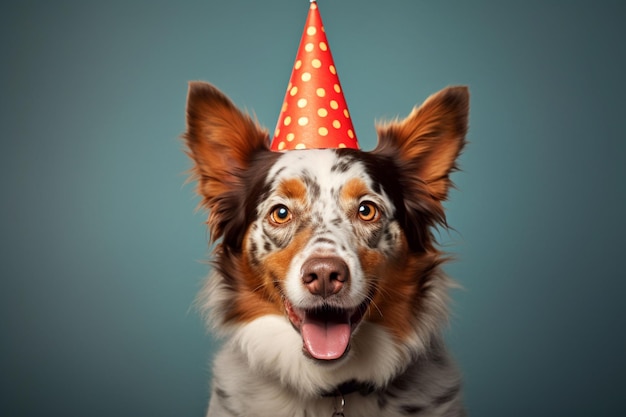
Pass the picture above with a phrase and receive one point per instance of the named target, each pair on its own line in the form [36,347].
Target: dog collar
[350,387]
[344,389]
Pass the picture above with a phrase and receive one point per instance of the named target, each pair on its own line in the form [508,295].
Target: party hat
[314,114]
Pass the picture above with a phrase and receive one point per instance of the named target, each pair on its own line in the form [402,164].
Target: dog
[326,284]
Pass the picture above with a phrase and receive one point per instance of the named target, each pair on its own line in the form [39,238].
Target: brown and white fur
[339,240]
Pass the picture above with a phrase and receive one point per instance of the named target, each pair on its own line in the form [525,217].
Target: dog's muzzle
[327,327]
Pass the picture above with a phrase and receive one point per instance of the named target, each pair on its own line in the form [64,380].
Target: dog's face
[326,238]
[323,235]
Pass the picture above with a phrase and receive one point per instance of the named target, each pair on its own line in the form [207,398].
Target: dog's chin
[326,330]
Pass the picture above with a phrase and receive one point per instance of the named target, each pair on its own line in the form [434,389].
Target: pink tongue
[325,339]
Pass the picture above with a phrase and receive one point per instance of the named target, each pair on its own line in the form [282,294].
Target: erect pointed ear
[429,140]
[222,141]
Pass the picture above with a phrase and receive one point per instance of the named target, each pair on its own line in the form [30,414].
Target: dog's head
[327,238]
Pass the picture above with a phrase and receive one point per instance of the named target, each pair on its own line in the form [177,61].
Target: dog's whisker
[372,303]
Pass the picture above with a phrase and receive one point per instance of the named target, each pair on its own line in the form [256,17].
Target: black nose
[325,276]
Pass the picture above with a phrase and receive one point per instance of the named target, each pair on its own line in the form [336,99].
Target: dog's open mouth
[326,331]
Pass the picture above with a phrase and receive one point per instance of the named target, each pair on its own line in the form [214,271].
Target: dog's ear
[222,141]
[428,142]
[423,148]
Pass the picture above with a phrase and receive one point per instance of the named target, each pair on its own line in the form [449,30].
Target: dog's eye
[368,212]
[280,214]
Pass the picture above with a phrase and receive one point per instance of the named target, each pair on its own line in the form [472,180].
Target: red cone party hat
[314,113]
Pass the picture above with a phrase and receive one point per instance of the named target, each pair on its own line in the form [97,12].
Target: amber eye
[368,211]
[280,214]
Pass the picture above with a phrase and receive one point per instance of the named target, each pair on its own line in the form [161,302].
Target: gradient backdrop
[102,252]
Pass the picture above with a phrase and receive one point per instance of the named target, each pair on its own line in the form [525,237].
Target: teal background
[102,253]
